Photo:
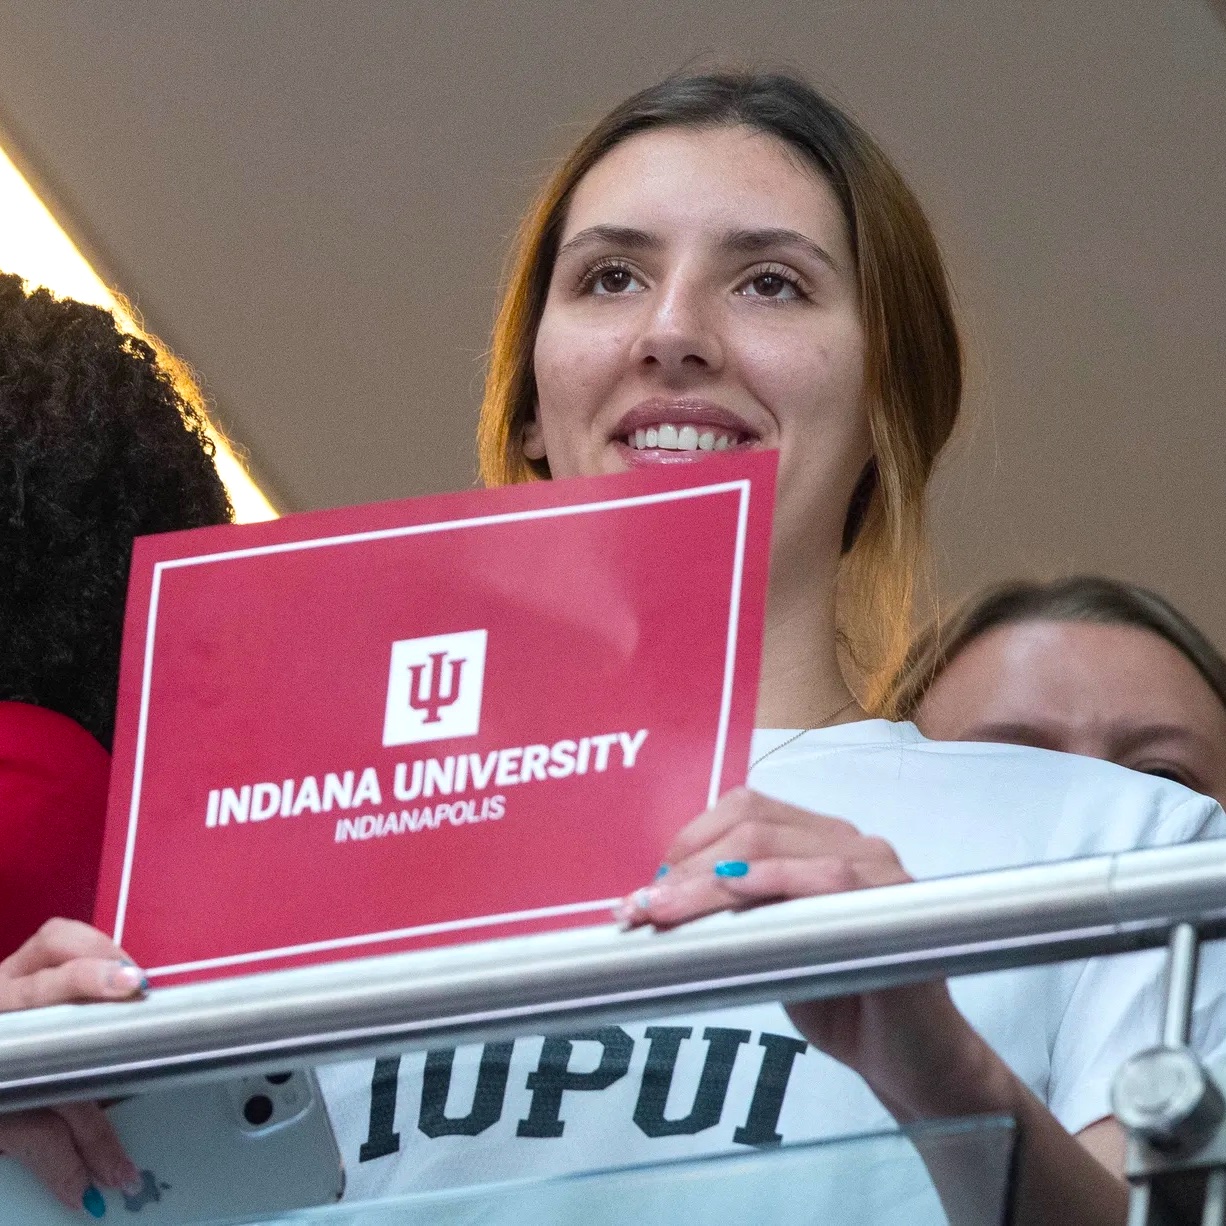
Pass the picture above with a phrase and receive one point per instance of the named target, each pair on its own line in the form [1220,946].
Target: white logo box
[434,688]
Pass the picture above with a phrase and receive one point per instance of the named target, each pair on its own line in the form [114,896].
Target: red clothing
[53,785]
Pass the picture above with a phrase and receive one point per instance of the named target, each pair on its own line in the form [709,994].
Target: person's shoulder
[1102,793]
[1074,804]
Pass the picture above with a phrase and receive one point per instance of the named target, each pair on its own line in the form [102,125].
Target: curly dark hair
[98,445]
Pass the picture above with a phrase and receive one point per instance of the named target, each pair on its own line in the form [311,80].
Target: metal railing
[807,949]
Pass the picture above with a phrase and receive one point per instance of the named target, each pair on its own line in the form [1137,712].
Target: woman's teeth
[668,437]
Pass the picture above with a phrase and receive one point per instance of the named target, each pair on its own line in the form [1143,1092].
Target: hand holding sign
[66,962]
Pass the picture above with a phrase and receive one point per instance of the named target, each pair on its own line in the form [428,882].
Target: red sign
[421,722]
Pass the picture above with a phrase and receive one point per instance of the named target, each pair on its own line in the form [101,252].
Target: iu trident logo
[431,696]
[434,688]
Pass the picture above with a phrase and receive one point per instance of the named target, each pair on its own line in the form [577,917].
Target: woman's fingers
[730,810]
[755,840]
[773,880]
[749,849]
[42,1142]
[99,1145]
[66,961]
[58,941]
[70,1150]
[82,979]
[735,884]
[673,900]
[742,809]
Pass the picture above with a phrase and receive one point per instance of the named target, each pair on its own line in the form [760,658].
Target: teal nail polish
[662,871]
[92,1202]
[731,868]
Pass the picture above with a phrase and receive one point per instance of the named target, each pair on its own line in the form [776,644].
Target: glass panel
[869,1180]
[206,1171]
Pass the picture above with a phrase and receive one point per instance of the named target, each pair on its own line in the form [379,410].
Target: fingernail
[662,871]
[632,906]
[127,1178]
[731,868]
[92,1202]
[127,977]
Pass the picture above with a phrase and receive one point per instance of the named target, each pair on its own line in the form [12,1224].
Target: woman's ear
[534,438]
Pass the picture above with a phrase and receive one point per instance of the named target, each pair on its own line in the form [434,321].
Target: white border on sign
[742,487]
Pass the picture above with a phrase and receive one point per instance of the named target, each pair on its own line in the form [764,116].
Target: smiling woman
[812,266]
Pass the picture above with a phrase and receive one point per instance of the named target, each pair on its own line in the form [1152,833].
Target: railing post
[1182,957]
[1174,1110]
[1215,1198]
[1138,1203]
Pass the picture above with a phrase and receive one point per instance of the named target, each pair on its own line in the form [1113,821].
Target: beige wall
[311,202]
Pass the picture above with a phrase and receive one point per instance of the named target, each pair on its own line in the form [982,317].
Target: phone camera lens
[278,1079]
[257,1109]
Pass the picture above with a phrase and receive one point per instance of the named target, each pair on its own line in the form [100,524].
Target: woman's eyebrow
[742,242]
[754,242]
[1132,739]
[625,237]
[1010,733]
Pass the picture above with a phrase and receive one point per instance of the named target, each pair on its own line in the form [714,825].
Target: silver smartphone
[227,1152]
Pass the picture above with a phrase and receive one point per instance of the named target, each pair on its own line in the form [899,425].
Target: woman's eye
[615,280]
[1163,771]
[772,285]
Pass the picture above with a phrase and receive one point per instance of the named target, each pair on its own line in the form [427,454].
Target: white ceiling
[310,200]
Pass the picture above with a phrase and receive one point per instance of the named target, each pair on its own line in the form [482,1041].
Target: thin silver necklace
[796,736]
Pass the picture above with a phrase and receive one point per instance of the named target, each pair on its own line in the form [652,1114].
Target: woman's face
[1114,692]
[704,299]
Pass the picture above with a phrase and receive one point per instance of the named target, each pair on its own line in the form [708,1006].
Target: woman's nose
[679,334]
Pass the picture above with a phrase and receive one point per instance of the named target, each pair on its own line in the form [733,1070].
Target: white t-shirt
[735,1078]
